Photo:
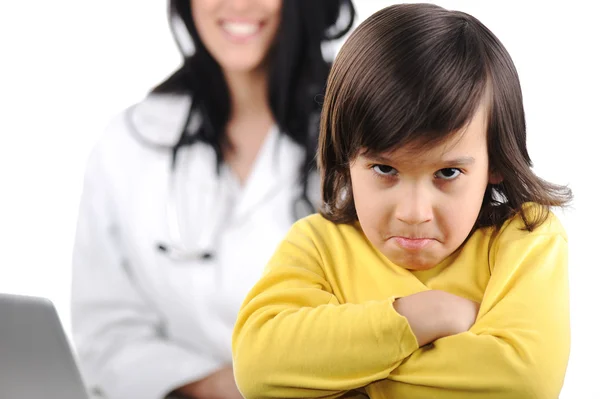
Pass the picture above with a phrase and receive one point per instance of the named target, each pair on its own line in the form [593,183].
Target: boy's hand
[435,314]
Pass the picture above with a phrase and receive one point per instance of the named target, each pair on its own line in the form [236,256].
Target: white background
[68,66]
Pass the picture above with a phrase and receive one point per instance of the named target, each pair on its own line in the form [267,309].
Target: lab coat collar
[159,119]
[277,166]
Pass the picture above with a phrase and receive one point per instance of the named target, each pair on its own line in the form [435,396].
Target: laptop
[36,360]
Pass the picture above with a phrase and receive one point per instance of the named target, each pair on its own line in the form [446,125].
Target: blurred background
[67,67]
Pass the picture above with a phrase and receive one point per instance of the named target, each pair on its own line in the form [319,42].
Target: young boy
[435,269]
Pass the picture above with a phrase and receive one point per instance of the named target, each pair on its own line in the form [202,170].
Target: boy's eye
[384,170]
[448,173]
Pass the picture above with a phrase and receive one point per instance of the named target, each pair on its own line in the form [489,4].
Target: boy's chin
[415,263]
[419,266]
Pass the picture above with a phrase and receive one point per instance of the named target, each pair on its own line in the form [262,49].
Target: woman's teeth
[240,28]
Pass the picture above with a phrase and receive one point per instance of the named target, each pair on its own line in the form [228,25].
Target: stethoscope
[174,246]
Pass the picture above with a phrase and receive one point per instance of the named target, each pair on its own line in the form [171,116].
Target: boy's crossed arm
[293,339]
[519,345]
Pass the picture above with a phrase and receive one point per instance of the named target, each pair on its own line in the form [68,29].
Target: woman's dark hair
[417,73]
[298,73]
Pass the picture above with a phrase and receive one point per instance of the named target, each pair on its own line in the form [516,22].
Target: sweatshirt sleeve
[519,344]
[293,338]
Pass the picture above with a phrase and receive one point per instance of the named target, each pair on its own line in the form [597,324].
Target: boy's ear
[495,178]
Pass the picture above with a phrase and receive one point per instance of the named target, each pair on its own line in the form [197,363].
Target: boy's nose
[415,207]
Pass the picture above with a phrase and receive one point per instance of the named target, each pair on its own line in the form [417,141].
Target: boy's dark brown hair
[416,73]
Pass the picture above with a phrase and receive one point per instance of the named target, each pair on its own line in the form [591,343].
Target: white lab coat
[144,324]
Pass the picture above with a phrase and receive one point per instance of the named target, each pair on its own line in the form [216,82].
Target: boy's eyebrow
[459,161]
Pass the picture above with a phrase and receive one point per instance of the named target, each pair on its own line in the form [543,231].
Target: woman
[188,193]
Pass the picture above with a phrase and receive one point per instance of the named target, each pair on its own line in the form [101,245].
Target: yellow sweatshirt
[320,323]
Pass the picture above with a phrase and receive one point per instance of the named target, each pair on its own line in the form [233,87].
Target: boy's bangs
[400,124]
[416,89]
